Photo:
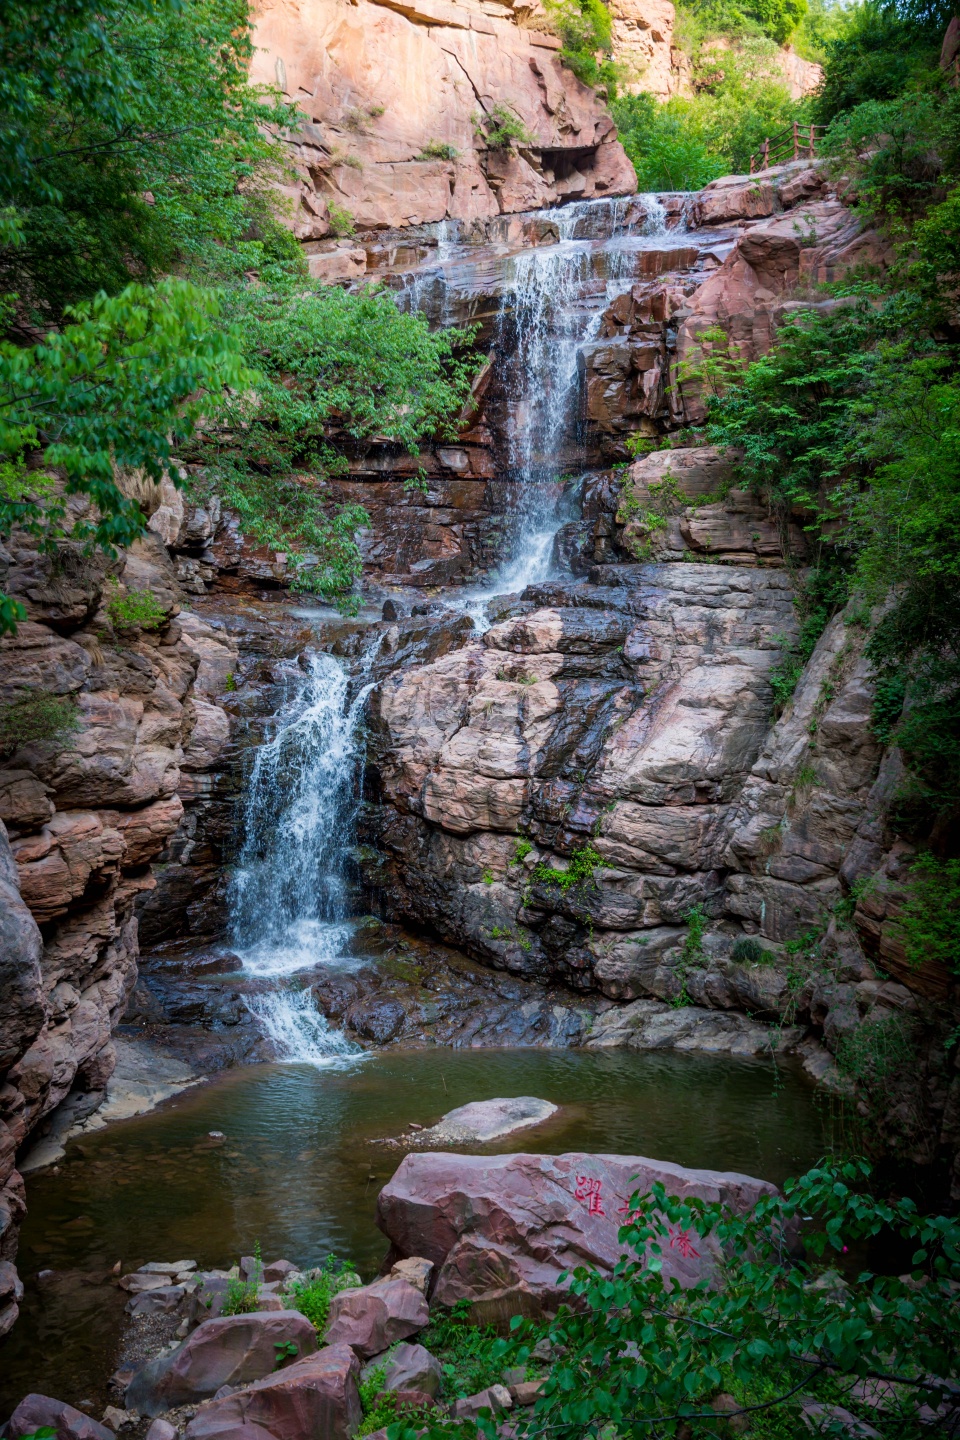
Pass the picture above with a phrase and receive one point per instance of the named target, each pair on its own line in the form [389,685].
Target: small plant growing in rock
[521,850]
[38,716]
[243,1296]
[341,221]
[583,863]
[437,150]
[748,951]
[311,1294]
[488,876]
[500,127]
[135,610]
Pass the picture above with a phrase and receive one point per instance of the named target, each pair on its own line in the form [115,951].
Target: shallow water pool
[299,1170]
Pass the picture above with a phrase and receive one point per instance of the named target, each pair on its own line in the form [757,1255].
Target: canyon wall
[82,816]
[400,99]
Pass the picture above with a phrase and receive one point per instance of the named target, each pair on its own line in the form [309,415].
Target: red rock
[314,1399]
[407,1367]
[229,1351]
[37,1412]
[501,1229]
[496,1398]
[373,1317]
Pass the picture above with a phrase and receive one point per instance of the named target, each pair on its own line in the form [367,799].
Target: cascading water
[549,312]
[289,892]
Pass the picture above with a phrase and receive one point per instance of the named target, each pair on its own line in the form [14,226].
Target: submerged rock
[501,1229]
[484,1120]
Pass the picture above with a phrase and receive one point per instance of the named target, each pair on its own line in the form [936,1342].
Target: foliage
[929,920]
[521,850]
[471,1355]
[501,126]
[586,29]
[643,1355]
[136,610]
[900,149]
[775,19]
[34,717]
[312,1295]
[747,951]
[120,387]
[685,142]
[130,139]
[876,54]
[583,862]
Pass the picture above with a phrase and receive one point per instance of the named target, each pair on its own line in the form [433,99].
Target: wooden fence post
[796,140]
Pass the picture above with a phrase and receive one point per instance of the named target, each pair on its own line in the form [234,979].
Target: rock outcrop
[87,811]
[501,1230]
[399,100]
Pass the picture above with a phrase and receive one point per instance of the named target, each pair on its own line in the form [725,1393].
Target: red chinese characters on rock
[681,1242]
[588,1192]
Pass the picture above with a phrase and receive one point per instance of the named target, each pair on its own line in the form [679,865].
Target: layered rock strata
[86,812]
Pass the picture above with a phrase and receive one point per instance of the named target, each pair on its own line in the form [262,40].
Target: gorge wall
[622,712]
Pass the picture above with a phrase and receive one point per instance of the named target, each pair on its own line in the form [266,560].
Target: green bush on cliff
[35,717]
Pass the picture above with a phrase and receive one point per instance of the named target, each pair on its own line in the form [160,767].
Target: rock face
[500,1230]
[86,813]
[397,99]
[230,1351]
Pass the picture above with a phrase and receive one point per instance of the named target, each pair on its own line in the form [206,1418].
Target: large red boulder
[38,1412]
[373,1317]
[313,1399]
[228,1351]
[500,1229]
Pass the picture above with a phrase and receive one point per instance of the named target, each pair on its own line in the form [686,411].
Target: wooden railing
[796,142]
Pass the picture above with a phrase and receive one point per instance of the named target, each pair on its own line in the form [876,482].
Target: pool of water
[299,1170]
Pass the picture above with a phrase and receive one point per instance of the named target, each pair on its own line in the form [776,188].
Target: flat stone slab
[484,1120]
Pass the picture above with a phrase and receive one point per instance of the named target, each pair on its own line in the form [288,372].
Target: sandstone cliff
[399,100]
[86,813]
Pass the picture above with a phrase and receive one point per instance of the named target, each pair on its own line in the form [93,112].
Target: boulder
[161,1430]
[501,1229]
[315,1398]
[155,1302]
[484,1120]
[37,1412]
[230,1351]
[496,1398]
[407,1367]
[415,1270]
[374,1317]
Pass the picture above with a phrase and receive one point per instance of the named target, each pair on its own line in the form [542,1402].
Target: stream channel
[289,1152]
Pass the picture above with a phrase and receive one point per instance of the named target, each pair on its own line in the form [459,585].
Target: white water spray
[289,893]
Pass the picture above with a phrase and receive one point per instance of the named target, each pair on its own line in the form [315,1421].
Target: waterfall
[289,896]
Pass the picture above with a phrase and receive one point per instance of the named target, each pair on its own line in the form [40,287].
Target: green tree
[122,386]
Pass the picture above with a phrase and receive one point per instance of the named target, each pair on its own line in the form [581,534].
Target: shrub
[243,1296]
[312,1296]
[929,920]
[438,150]
[643,1355]
[471,1355]
[583,863]
[501,126]
[748,951]
[34,717]
[134,610]
[341,221]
